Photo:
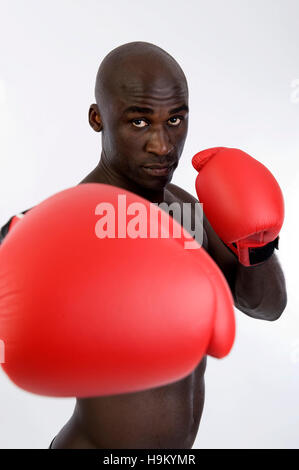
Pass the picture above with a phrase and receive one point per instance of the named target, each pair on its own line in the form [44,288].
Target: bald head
[137,66]
[141,111]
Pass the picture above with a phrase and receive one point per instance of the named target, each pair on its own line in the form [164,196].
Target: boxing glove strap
[262,253]
[256,255]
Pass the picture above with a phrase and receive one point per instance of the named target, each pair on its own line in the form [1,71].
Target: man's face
[144,130]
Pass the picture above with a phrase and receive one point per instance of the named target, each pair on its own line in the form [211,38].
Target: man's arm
[259,291]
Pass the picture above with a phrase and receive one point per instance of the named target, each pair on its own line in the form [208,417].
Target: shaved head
[133,66]
[141,111]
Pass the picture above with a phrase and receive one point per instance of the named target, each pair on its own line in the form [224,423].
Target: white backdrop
[242,64]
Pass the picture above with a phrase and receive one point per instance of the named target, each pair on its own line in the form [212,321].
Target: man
[142,111]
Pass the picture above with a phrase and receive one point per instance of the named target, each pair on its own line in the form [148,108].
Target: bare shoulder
[177,194]
[180,193]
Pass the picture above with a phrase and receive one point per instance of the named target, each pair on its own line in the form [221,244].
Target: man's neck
[102,173]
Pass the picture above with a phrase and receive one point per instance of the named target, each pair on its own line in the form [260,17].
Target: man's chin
[155,183]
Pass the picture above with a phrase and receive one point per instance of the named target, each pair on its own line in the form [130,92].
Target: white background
[241,59]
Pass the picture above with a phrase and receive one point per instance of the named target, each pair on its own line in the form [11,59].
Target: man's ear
[94,118]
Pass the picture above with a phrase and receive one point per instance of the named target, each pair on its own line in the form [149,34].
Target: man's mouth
[158,169]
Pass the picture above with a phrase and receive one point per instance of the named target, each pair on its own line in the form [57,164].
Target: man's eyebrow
[138,109]
[184,107]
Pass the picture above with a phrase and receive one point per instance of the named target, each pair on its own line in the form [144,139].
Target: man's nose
[159,143]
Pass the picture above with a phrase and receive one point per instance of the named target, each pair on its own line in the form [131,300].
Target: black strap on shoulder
[5,229]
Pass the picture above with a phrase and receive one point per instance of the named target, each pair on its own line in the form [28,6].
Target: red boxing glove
[87,316]
[242,201]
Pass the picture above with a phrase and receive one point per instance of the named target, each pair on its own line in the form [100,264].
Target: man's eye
[137,122]
[175,121]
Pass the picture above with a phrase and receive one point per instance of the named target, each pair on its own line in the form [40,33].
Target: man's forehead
[161,91]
